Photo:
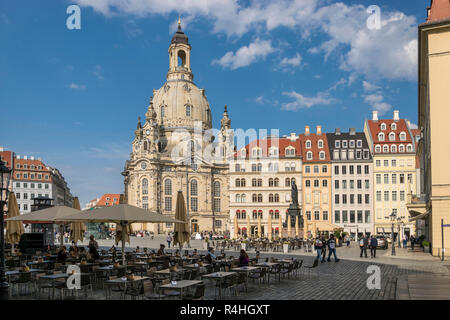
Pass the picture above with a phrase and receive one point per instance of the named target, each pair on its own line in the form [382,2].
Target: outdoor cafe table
[247,270]
[267,265]
[218,277]
[54,277]
[17,272]
[181,285]
[123,281]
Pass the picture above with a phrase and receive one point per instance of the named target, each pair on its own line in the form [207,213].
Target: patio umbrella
[77,229]
[269,227]
[248,225]
[54,215]
[181,234]
[297,231]
[123,215]
[14,229]
[259,226]
[236,227]
[289,226]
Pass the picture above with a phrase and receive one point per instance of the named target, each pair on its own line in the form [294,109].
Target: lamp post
[393,217]
[5,175]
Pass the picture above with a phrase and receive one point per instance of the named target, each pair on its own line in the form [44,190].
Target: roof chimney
[337,132]
[39,159]
[352,131]
[25,157]
[375,115]
[1,149]
[306,130]
[293,137]
[396,115]
[319,130]
[18,157]
[32,158]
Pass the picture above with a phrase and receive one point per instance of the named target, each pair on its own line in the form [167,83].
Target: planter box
[285,248]
[426,249]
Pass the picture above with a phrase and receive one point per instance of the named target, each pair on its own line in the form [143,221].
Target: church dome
[180,104]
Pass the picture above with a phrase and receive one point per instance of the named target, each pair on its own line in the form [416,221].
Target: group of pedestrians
[371,243]
[321,245]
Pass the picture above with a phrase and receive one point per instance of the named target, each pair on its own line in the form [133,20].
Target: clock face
[147,132]
[143,165]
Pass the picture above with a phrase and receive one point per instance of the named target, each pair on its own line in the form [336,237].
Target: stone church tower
[174,149]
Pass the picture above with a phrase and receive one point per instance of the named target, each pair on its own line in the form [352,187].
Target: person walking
[332,249]
[363,244]
[347,240]
[318,247]
[412,239]
[405,241]
[169,240]
[324,248]
[373,246]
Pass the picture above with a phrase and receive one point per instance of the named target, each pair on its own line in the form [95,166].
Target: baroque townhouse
[317,191]
[261,177]
[394,157]
[352,175]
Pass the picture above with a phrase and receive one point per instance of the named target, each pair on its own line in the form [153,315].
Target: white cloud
[294,61]
[369,86]
[76,86]
[98,72]
[302,102]
[246,55]
[132,29]
[376,102]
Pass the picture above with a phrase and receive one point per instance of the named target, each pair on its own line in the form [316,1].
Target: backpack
[361,243]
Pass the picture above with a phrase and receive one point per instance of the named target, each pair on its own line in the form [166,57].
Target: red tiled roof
[6,156]
[375,129]
[266,144]
[44,171]
[439,10]
[113,200]
[314,138]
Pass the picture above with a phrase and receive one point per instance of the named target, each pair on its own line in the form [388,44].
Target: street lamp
[393,217]
[5,175]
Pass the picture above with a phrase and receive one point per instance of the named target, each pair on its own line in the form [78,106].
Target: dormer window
[393,148]
[308,144]
[409,148]
[381,136]
[383,126]
[401,148]
[273,152]
[394,126]
[322,155]
[336,155]
[403,136]
[320,144]
[385,148]
[378,149]
[256,152]
[309,155]
[359,143]
[290,152]
[392,136]
[337,144]
[352,143]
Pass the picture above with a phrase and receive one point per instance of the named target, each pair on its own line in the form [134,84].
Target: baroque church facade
[175,149]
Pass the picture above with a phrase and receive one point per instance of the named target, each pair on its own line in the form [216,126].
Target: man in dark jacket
[373,246]
[332,249]
[363,244]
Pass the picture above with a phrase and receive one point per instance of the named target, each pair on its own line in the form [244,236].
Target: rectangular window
[316,183]
[352,199]
[32,196]
[378,163]
[324,183]
[324,169]
[358,169]
[307,183]
[402,178]
[386,163]
[336,184]
[336,199]
[402,195]
[394,179]
[366,184]
[337,217]
[352,184]
[307,169]
[366,169]
[46,186]
[352,170]
[378,195]
[410,177]
[18,185]
[359,143]
[316,169]
[360,216]
[344,184]
[367,216]
[17,195]
[352,143]
[394,195]
[25,207]
[367,198]
[194,204]
[386,196]
[344,144]
[308,215]
[217,205]
[359,184]
[394,163]
[386,179]
[316,215]
[344,199]
[352,216]
[344,169]
[359,198]
[378,177]
[336,170]
[25,185]
[168,204]
[25,196]
[325,215]
[344,216]
[218,223]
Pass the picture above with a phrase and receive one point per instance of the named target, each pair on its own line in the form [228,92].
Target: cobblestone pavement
[343,280]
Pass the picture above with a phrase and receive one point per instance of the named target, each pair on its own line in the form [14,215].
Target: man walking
[169,240]
[318,247]
[412,239]
[373,246]
[332,249]
[363,243]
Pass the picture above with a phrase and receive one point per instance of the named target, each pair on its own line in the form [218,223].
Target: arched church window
[144,186]
[162,112]
[188,110]
[194,188]
[168,187]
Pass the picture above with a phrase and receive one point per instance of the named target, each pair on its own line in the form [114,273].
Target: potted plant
[426,246]
[285,247]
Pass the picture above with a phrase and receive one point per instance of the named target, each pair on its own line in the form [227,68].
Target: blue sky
[72,97]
